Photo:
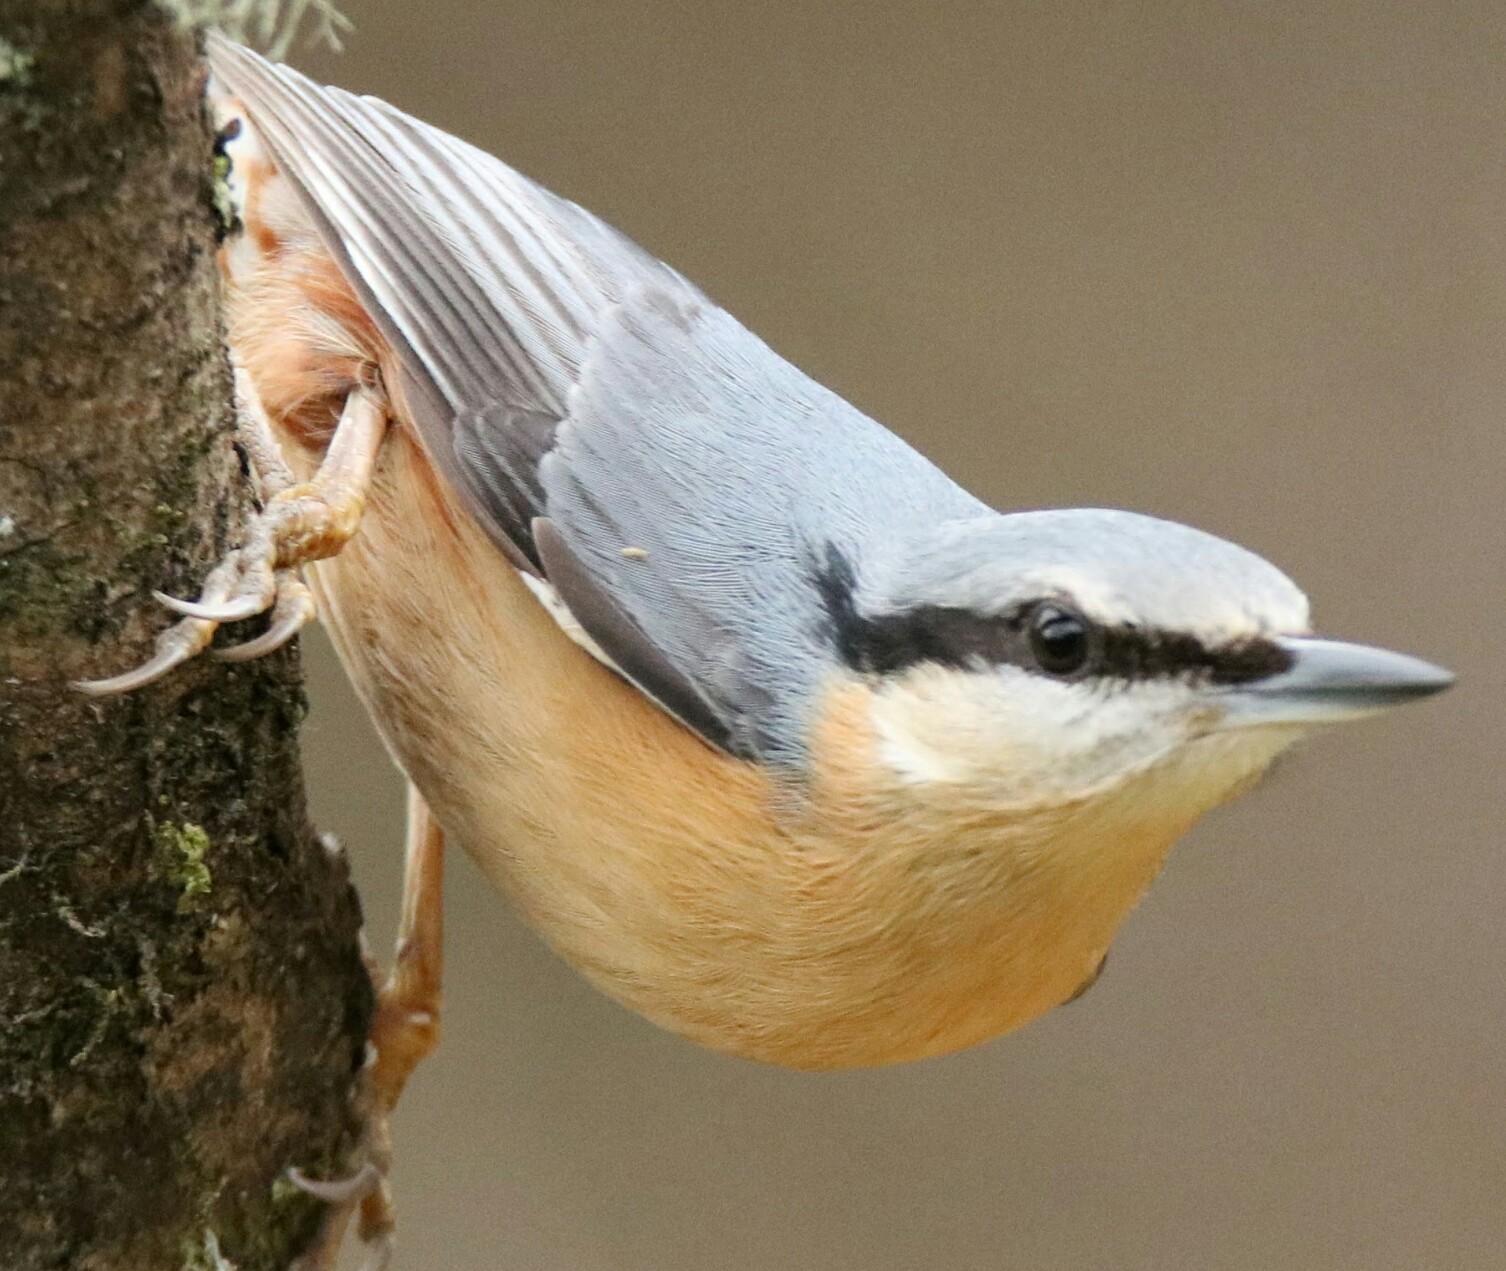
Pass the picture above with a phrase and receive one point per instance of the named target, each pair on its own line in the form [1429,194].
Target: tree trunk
[183,1006]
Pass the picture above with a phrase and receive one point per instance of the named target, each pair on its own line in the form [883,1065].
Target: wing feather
[676,482]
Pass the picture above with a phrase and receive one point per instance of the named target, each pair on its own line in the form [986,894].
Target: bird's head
[1051,660]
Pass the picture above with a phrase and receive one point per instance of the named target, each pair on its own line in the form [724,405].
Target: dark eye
[1060,640]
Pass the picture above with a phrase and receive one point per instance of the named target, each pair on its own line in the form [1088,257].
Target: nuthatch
[776,733]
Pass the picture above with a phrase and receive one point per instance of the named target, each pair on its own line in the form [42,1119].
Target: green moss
[181,850]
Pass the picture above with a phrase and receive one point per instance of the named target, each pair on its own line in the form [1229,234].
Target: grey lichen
[204,1254]
[15,65]
[273,24]
[222,201]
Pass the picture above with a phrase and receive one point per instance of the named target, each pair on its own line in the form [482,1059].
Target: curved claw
[178,644]
[233,610]
[294,611]
[149,672]
[339,1191]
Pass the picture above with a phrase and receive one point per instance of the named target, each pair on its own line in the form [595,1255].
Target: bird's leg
[404,1030]
[406,1027]
[258,439]
[299,523]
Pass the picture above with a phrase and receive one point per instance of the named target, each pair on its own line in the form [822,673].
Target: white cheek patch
[1074,736]
[1024,736]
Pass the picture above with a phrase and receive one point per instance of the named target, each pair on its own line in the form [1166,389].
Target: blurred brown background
[1238,264]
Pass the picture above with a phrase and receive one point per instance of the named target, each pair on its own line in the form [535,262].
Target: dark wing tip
[641,661]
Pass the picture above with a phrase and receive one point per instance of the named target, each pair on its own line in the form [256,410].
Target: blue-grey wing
[678,485]
[698,487]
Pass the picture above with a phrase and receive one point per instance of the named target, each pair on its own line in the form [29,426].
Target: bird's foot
[298,524]
[404,1031]
[364,1195]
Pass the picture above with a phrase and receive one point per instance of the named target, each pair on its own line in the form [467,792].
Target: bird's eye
[1060,640]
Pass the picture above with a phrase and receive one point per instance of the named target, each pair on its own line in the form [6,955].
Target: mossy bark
[183,1006]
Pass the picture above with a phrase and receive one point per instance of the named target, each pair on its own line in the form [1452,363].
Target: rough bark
[182,1001]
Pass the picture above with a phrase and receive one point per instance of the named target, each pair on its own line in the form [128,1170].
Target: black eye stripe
[960,638]
[1137,653]
[889,643]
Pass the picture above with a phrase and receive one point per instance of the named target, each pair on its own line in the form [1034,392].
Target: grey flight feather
[587,399]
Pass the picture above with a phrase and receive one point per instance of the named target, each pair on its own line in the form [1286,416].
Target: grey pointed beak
[1330,681]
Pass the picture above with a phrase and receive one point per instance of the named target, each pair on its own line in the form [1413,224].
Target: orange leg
[404,1031]
[406,1028]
